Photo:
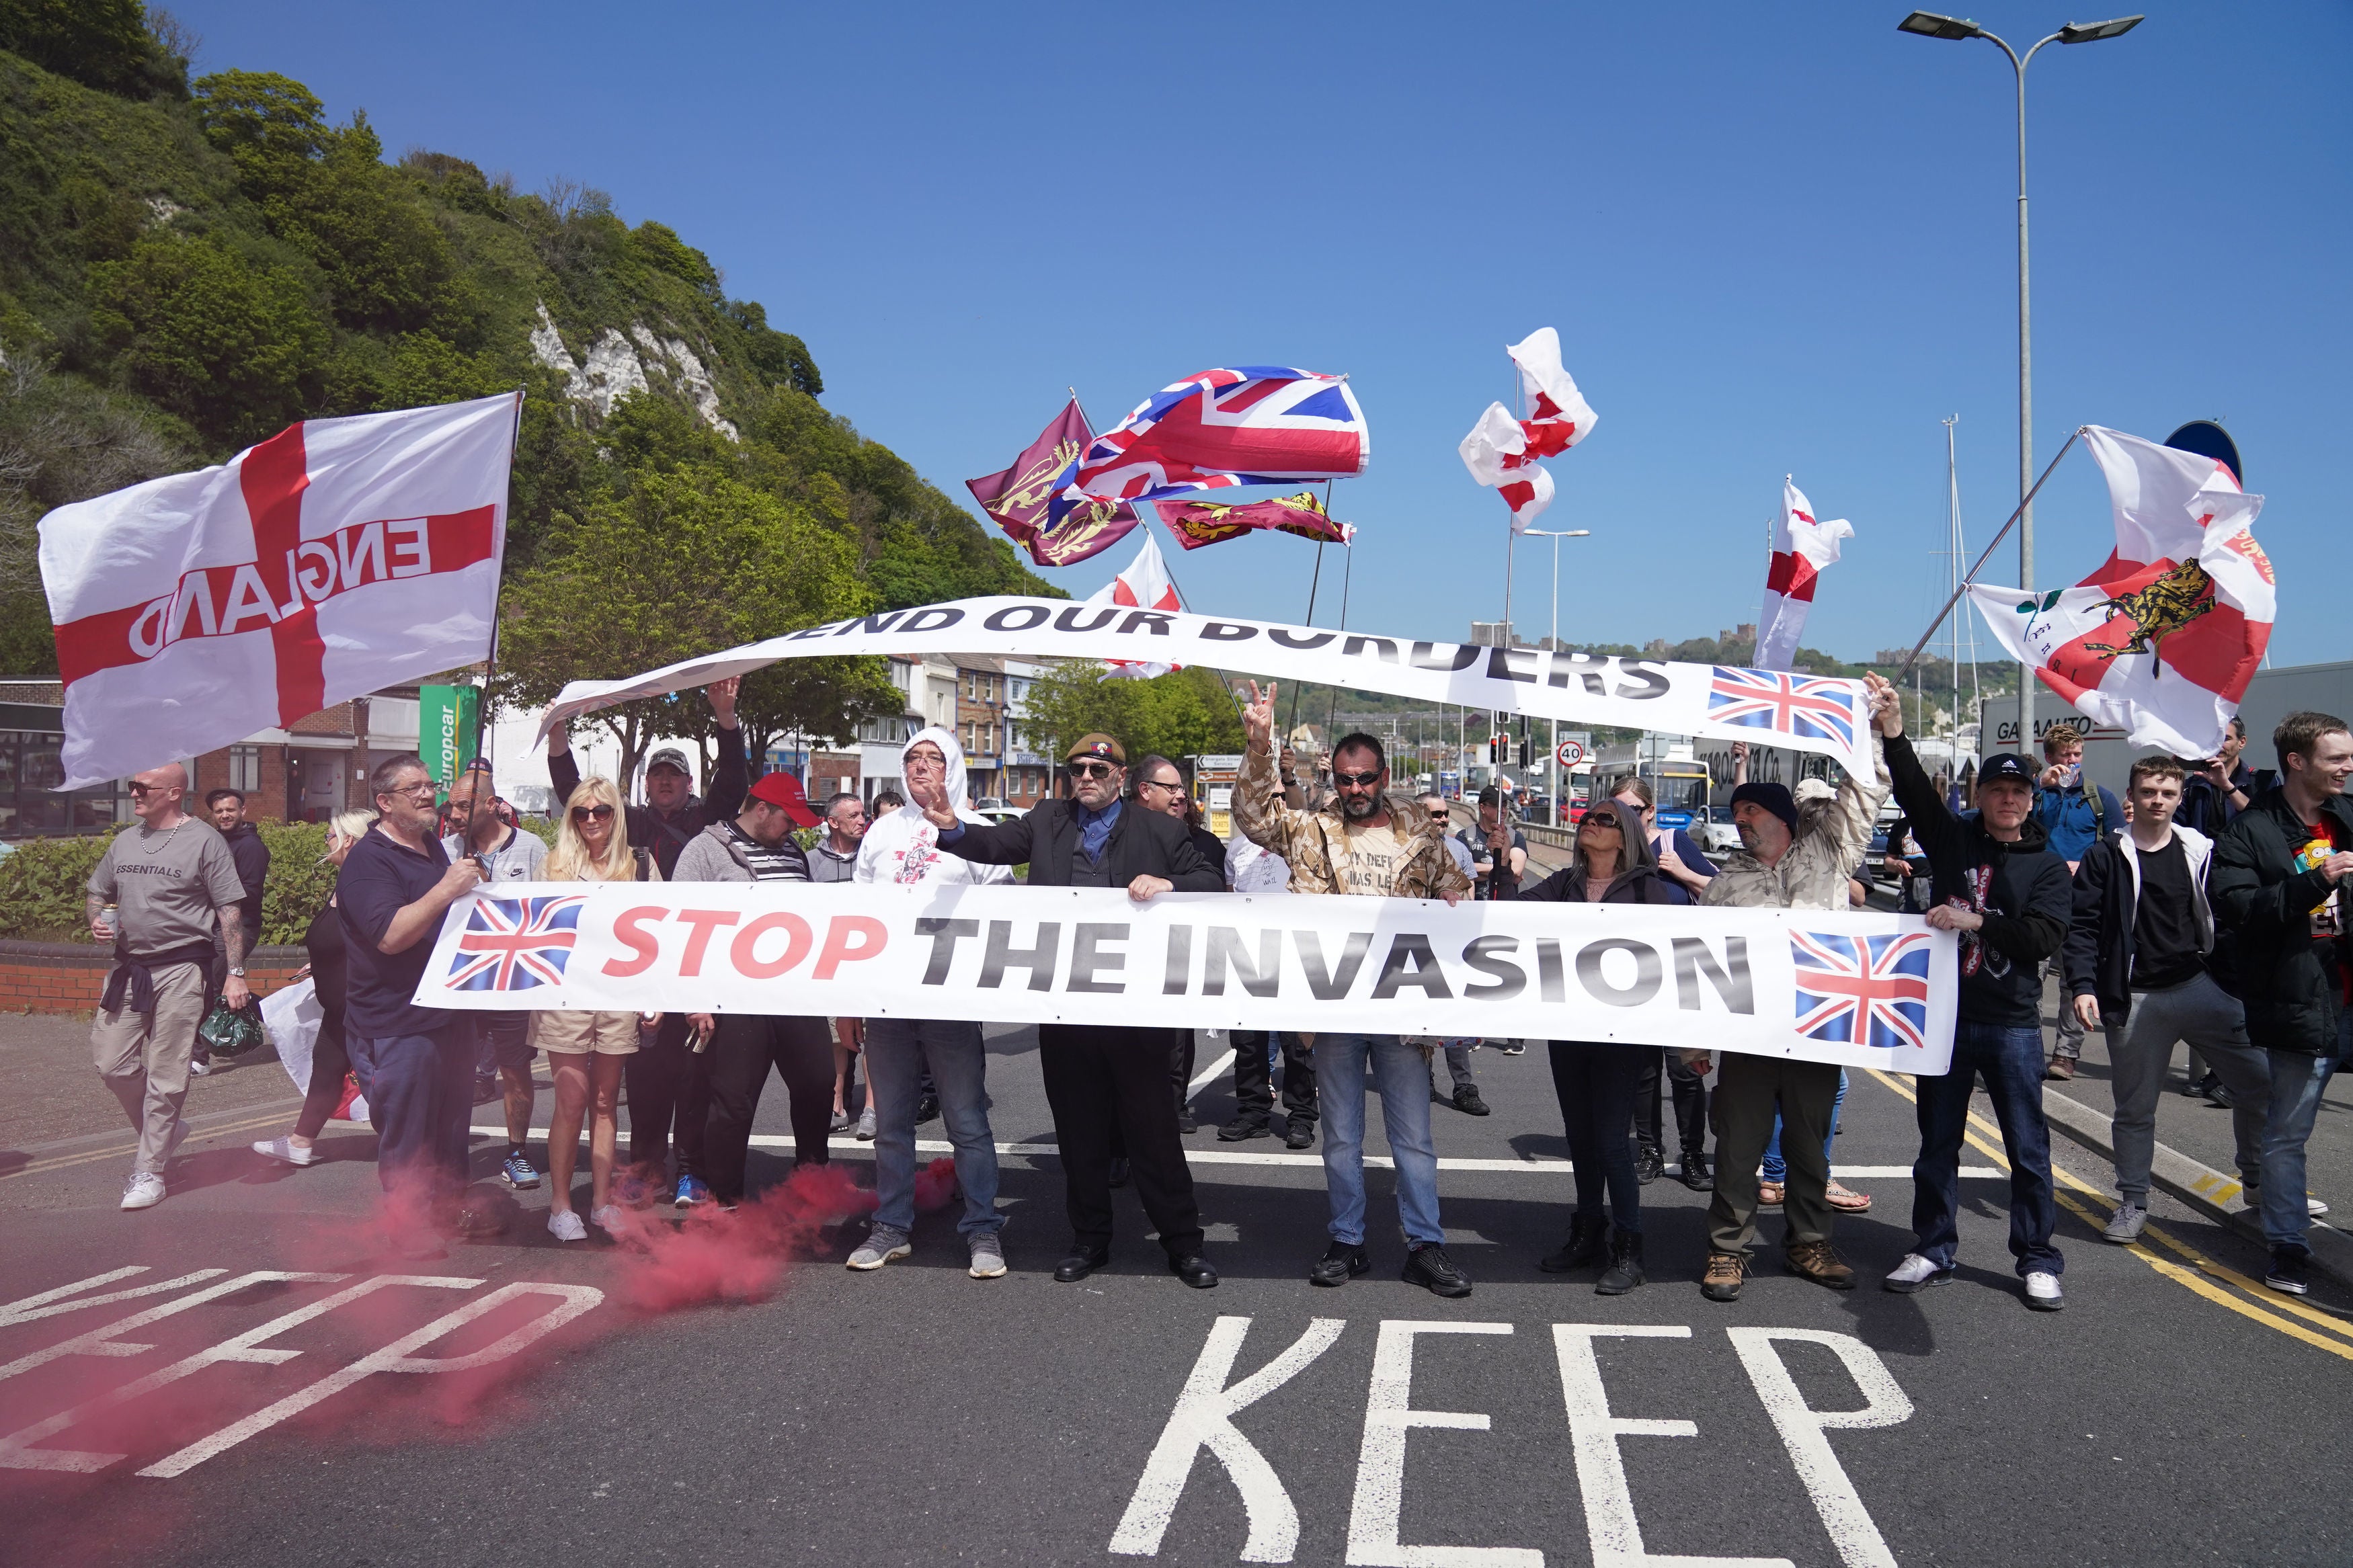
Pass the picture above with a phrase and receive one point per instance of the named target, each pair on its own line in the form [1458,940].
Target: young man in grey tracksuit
[2140,956]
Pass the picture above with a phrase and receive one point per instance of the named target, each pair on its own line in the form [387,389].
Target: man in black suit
[1099,1077]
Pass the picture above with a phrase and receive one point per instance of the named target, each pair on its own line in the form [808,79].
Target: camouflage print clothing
[1315,844]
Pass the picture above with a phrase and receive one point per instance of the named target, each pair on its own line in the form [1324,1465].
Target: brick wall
[65,977]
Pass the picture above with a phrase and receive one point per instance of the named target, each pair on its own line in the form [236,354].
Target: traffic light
[1528,753]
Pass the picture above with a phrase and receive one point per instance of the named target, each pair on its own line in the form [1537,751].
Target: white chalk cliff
[614,369]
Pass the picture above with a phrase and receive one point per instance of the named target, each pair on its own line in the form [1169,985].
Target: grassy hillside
[187,266]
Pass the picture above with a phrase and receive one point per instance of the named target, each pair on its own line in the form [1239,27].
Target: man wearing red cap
[757,846]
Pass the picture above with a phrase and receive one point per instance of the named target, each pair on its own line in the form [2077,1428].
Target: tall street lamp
[1928,24]
[1556,536]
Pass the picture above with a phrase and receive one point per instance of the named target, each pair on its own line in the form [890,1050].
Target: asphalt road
[2169,1415]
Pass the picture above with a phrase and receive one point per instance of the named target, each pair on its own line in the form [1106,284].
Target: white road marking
[1609,1519]
[33,1308]
[1231,1157]
[1859,1543]
[102,1342]
[571,1301]
[1203,1418]
[17,1451]
[1373,1518]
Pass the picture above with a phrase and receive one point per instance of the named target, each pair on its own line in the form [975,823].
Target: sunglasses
[1156,783]
[141,789]
[591,814]
[1091,770]
[1371,778]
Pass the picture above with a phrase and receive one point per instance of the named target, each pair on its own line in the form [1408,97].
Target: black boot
[1698,1174]
[1589,1243]
[1648,1164]
[1625,1270]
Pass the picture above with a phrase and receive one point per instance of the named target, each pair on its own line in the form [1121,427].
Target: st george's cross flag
[1501,451]
[2162,639]
[1251,425]
[1802,546]
[1143,584]
[336,557]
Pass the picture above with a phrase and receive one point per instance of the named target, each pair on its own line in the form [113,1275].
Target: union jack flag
[1866,991]
[1810,708]
[1251,425]
[516,944]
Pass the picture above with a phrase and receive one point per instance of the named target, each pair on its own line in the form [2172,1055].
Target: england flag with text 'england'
[335,558]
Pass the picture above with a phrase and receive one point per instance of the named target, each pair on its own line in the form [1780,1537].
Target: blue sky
[1773,239]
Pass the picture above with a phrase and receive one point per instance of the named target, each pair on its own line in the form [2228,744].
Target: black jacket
[2021,889]
[1211,846]
[667,835]
[2293,999]
[1638,882]
[2100,938]
[252,857]
[1142,844]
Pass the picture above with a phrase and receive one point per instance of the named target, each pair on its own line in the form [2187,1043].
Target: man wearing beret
[1098,1076]
[1791,863]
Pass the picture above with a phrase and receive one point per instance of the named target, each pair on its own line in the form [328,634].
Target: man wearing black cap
[1785,862]
[1098,1077]
[1996,882]
[665,1081]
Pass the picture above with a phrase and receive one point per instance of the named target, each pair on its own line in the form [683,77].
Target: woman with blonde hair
[586,1050]
[330,1064]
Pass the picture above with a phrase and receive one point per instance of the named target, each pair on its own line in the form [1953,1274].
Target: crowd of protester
[2204,908]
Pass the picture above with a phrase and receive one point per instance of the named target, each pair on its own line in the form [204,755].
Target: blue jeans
[1402,1076]
[897,1051]
[1594,1084]
[1777,1169]
[420,1095]
[2296,1082]
[2011,1059]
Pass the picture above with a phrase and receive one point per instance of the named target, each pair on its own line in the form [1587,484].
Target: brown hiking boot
[1724,1272]
[1820,1262]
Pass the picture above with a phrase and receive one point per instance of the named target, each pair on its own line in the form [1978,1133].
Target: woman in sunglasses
[1612,864]
[587,1050]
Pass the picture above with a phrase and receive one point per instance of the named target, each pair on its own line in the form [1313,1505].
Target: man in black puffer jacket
[2278,884]
[1997,884]
[1098,1077]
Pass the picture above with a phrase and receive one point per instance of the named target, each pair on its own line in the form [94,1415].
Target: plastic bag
[292,1015]
[229,1031]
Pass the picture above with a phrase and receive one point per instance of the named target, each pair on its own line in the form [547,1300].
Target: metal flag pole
[1314,584]
[1348,573]
[1981,560]
[499,594]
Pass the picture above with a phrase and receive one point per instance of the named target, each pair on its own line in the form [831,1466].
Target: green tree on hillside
[1183,713]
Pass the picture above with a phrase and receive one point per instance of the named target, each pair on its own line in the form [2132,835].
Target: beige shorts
[605,1034]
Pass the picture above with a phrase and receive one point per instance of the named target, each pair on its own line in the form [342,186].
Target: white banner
[1803,713]
[1858,988]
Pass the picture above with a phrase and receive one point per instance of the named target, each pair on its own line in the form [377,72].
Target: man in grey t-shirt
[174,883]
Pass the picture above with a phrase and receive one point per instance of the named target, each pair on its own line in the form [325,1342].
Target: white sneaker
[2043,1292]
[143,1191]
[2124,1227]
[200,1067]
[866,1124]
[284,1149]
[2314,1206]
[610,1220]
[564,1225]
[1915,1273]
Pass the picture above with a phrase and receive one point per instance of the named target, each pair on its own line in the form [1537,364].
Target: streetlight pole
[1929,24]
[1556,536]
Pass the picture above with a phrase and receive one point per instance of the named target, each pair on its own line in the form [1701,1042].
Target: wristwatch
[237,971]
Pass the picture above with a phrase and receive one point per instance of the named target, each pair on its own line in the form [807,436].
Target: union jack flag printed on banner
[1810,708]
[1251,424]
[1863,990]
[516,944]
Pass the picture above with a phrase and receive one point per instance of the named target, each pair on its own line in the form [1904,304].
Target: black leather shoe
[1467,1100]
[1195,1270]
[1340,1264]
[1698,1174]
[927,1109]
[1588,1243]
[1186,1120]
[1429,1267]
[1079,1265]
[1118,1172]
[1301,1135]
[1648,1164]
[1244,1127]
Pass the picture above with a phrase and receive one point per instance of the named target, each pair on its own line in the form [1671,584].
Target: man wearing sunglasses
[1358,843]
[503,1053]
[172,885]
[1160,786]
[1098,1077]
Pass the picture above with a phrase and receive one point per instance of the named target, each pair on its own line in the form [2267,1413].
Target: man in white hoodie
[2140,957]
[902,848]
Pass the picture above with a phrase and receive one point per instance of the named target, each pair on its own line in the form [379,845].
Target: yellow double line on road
[116,1151]
[2202,1275]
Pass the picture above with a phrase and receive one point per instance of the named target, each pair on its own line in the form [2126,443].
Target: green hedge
[42,885]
